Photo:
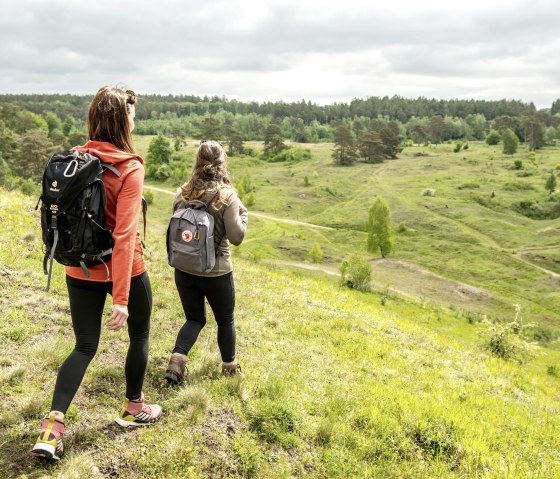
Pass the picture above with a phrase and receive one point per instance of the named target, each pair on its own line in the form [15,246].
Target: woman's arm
[236,220]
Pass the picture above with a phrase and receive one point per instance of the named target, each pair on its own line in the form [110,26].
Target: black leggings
[87,299]
[220,293]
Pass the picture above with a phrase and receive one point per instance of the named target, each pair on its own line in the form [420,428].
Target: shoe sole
[173,379]
[133,424]
[45,451]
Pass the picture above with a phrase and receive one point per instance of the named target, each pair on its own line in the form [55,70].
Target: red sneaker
[49,443]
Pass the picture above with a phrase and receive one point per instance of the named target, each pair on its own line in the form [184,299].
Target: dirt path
[254,213]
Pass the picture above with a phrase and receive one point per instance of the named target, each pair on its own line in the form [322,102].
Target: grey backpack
[190,239]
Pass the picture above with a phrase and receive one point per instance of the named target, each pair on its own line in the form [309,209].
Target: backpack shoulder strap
[108,166]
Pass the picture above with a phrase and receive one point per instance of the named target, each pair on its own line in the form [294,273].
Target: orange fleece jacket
[124,204]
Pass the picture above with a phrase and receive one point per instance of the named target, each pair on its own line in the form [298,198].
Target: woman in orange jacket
[110,122]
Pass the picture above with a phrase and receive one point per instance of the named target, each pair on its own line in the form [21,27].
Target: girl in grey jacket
[210,184]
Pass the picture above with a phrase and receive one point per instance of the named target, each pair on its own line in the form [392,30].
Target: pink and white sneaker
[49,443]
[138,413]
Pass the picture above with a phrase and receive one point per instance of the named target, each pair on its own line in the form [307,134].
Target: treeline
[394,108]
[419,120]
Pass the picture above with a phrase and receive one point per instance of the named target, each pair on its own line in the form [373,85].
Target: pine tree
[345,151]
[273,141]
[371,147]
[210,129]
[378,227]
[234,140]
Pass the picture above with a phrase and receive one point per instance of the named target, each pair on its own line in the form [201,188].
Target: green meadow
[398,382]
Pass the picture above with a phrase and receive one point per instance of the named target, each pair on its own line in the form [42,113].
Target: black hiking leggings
[87,299]
[220,293]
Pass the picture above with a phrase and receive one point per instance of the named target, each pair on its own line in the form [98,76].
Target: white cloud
[285,49]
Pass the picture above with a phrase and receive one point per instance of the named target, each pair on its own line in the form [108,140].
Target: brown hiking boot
[231,369]
[175,373]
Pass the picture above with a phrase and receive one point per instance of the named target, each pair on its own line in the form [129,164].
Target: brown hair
[209,171]
[108,117]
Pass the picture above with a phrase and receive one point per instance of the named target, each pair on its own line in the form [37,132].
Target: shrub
[292,155]
[315,254]
[533,210]
[149,196]
[356,273]
[457,148]
[249,200]
[468,186]
[507,341]
[428,192]
[518,164]
[466,146]
[306,181]
[493,138]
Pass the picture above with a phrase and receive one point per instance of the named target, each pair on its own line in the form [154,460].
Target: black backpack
[73,211]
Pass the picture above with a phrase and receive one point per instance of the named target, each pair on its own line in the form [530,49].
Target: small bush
[356,273]
[466,146]
[401,228]
[457,148]
[518,164]
[468,186]
[306,181]
[291,155]
[553,371]
[315,254]
[518,187]
[149,196]
[249,200]
[429,192]
[507,341]
[533,210]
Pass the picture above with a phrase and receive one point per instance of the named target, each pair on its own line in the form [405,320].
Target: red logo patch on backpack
[187,236]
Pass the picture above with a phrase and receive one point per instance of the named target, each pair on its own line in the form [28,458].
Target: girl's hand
[118,318]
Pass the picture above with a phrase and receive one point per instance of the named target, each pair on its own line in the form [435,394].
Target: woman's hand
[118,318]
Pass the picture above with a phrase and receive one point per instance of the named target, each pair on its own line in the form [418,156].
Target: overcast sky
[324,51]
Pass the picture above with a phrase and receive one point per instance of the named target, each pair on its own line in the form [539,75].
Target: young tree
[493,138]
[344,152]
[159,150]
[510,141]
[551,183]
[315,254]
[378,227]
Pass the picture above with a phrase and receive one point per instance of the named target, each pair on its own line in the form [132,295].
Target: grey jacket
[230,224]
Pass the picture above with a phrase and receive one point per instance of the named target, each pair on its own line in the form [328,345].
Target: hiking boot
[138,413]
[175,373]
[231,369]
[49,443]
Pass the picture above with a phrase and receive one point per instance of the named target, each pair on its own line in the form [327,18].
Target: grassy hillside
[337,383]
[470,231]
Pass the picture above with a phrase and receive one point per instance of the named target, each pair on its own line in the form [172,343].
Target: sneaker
[49,443]
[231,369]
[175,373]
[138,413]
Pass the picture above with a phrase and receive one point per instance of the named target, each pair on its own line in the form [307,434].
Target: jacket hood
[107,152]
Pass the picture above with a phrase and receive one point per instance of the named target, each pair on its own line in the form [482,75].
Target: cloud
[271,49]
